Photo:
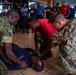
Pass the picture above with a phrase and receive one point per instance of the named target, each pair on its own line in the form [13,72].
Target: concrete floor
[51,67]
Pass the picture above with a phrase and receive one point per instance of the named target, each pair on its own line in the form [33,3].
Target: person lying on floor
[44,31]
[28,56]
[6,37]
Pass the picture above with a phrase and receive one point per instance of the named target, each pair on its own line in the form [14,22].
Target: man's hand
[7,61]
[59,41]
[23,65]
[41,56]
[36,51]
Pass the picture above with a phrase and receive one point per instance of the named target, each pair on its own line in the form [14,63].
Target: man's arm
[47,49]
[12,56]
[36,44]
[1,53]
[3,56]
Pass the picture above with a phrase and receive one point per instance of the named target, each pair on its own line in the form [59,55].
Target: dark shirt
[32,12]
[48,9]
[55,9]
[17,8]
[74,12]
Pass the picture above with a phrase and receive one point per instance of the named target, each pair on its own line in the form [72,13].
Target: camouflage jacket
[41,38]
[67,49]
[6,28]
[5,36]
[3,68]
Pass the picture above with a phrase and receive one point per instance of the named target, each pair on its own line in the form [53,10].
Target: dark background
[19,1]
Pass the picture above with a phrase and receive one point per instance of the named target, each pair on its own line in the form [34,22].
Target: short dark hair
[56,16]
[40,66]
[63,1]
[57,3]
[53,16]
[12,13]
[32,19]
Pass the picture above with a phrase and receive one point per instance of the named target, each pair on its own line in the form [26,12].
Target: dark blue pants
[23,54]
[39,16]
[25,23]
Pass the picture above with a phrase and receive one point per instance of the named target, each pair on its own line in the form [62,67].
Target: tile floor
[26,40]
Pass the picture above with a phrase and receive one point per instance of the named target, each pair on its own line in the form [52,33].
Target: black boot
[23,31]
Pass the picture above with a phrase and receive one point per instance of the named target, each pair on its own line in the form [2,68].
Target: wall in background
[71,2]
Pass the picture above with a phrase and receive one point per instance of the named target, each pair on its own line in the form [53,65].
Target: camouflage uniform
[42,41]
[6,27]
[67,49]
[41,38]
[3,68]
[6,37]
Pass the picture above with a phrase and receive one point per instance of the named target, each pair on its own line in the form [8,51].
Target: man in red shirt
[64,9]
[44,31]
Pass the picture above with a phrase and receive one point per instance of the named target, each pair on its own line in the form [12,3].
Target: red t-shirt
[64,10]
[47,28]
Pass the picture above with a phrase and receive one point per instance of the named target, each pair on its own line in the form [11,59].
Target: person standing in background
[24,11]
[6,9]
[39,11]
[48,10]
[17,8]
[54,8]
[64,9]
[57,4]
[32,11]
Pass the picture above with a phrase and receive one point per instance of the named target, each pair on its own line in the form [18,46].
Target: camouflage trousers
[42,41]
[71,74]
[3,69]
[41,38]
